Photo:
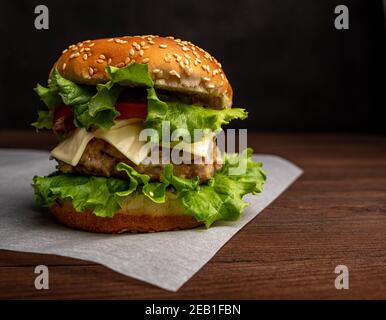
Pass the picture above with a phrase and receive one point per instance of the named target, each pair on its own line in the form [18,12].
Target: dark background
[287,63]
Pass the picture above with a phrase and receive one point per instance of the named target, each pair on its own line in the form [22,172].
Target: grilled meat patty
[100,159]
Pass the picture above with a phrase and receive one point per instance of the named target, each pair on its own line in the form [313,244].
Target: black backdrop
[287,63]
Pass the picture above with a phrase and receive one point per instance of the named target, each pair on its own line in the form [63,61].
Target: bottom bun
[122,221]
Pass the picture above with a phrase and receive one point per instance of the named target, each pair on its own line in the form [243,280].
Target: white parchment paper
[166,259]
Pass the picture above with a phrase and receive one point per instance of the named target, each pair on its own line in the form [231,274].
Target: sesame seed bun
[137,215]
[174,65]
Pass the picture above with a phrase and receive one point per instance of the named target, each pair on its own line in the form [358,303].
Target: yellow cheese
[124,136]
[71,149]
[200,148]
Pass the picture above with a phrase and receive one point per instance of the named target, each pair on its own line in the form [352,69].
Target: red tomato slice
[131,109]
[63,121]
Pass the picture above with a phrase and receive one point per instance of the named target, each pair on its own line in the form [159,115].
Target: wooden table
[335,214]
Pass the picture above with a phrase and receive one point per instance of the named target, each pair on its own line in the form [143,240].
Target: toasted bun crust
[174,65]
[122,221]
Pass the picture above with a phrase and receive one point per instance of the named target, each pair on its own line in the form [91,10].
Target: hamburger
[114,105]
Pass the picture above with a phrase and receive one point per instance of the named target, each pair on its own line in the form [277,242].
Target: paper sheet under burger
[164,259]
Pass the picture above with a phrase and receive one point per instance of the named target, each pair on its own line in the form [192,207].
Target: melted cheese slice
[71,149]
[200,148]
[124,136]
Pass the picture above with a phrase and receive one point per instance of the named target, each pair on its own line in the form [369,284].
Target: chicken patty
[100,159]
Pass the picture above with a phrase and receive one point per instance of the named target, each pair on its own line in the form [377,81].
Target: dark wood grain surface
[334,214]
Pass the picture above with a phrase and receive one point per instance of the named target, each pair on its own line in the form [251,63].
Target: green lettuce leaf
[218,199]
[136,178]
[72,94]
[92,106]
[134,75]
[97,193]
[221,197]
[99,110]
[184,116]
[44,119]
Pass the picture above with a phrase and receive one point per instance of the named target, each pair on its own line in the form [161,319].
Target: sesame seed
[177,40]
[120,65]
[174,73]
[100,61]
[179,58]
[87,49]
[187,56]
[142,43]
[210,86]
[146,60]
[163,46]
[156,70]
[141,53]
[145,47]
[74,48]
[87,41]
[102,56]
[185,49]
[170,37]
[110,40]
[131,52]
[91,44]
[137,47]
[127,60]
[222,76]
[182,65]
[168,57]
[85,57]
[206,78]
[186,61]
[65,50]
[64,66]
[151,42]
[134,44]
[90,71]
[74,55]
[81,50]
[109,61]
[80,44]
[71,46]
[180,44]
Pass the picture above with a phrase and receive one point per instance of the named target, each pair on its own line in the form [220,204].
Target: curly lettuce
[218,199]
[95,106]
